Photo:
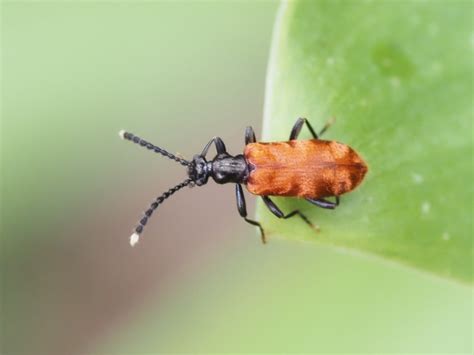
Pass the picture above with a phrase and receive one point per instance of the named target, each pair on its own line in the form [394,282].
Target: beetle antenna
[133,138]
[153,206]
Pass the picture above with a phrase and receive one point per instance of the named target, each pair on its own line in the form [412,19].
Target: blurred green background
[176,73]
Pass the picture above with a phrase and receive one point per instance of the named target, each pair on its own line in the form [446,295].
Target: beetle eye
[199,169]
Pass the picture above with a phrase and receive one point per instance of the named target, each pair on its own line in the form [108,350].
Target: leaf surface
[397,76]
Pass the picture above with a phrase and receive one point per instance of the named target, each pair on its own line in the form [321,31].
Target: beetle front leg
[242,207]
[220,146]
[277,212]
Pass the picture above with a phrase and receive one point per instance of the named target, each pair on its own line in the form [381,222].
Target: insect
[311,169]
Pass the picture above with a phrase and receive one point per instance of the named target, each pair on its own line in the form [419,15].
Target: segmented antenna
[154,205]
[133,138]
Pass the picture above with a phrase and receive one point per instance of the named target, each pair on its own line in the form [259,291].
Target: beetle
[311,169]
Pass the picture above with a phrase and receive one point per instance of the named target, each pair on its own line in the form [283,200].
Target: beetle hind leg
[277,212]
[321,202]
[295,131]
[328,124]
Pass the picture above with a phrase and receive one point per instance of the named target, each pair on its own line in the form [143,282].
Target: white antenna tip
[122,134]
[134,239]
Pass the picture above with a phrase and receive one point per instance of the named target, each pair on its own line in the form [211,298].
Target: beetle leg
[295,131]
[327,125]
[321,202]
[277,212]
[299,125]
[241,206]
[249,135]
[220,146]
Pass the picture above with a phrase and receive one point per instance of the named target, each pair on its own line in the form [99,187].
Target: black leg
[249,135]
[241,206]
[327,125]
[321,202]
[277,212]
[295,131]
[299,125]
[220,146]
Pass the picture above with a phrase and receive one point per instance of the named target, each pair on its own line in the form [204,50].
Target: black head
[223,169]
[199,170]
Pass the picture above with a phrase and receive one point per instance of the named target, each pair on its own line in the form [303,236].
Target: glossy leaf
[397,76]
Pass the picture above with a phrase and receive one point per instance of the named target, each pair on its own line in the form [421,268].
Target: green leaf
[397,76]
